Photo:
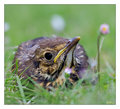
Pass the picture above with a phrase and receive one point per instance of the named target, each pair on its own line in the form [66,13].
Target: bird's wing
[80,60]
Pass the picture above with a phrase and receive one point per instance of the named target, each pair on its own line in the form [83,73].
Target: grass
[31,21]
[25,93]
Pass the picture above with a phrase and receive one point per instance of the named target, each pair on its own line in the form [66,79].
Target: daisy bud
[58,23]
[68,70]
[104,29]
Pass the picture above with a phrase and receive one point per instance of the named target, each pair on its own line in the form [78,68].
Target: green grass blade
[21,90]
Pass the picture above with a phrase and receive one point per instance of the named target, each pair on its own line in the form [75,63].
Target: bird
[44,60]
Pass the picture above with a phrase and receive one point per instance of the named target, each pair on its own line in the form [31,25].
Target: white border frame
[117,2]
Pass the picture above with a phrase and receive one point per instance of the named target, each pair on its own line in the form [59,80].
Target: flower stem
[98,57]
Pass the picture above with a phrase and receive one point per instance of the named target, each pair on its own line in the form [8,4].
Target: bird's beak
[68,47]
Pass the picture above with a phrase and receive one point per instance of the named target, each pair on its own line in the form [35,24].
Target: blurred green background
[27,22]
[30,21]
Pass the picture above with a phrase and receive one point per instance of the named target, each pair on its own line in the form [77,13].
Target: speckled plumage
[32,62]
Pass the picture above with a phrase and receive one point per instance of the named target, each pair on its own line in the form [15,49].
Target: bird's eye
[48,56]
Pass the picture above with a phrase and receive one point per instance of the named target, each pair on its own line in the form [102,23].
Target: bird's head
[53,55]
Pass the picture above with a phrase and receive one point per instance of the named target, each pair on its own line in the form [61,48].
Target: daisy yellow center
[104,29]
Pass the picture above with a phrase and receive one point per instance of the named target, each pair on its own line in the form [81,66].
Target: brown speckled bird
[45,59]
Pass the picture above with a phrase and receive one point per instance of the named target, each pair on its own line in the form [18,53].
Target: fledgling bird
[45,59]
